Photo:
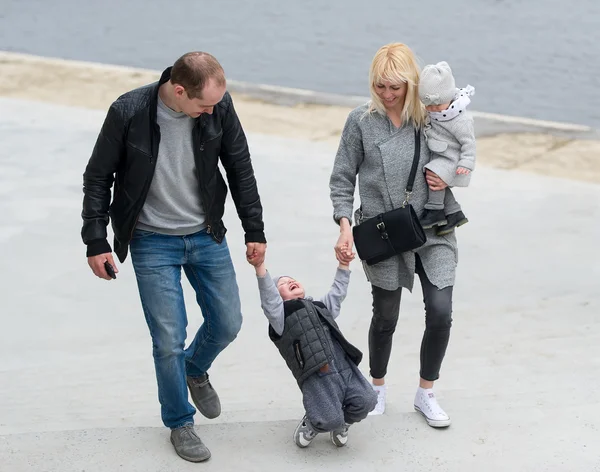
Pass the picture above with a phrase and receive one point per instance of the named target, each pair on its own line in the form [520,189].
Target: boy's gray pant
[442,199]
[337,397]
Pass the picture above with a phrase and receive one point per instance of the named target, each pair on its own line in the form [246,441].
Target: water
[534,58]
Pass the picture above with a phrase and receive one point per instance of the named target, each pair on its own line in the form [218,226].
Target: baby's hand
[342,265]
[463,170]
[260,269]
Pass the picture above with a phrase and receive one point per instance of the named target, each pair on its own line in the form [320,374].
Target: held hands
[343,247]
[344,265]
[463,171]
[255,253]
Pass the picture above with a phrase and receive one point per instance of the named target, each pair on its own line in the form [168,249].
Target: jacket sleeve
[348,159]
[98,179]
[337,294]
[271,303]
[466,138]
[235,157]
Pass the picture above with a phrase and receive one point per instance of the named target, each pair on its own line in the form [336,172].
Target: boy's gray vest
[305,344]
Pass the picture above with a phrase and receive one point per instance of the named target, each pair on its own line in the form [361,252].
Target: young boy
[451,139]
[335,393]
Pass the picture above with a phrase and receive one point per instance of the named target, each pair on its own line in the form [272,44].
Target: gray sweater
[173,205]
[381,155]
[272,303]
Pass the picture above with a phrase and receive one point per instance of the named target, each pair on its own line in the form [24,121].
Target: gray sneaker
[304,434]
[204,396]
[339,437]
[188,444]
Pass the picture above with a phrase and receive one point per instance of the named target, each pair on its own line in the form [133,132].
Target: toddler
[335,394]
[451,138]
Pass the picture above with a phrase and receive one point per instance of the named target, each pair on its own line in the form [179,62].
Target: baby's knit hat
[277,277]
[437,84]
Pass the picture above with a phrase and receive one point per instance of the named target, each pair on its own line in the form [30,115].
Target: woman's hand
[434,182]
[343,247]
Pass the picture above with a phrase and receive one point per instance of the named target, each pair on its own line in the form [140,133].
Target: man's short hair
[193,70]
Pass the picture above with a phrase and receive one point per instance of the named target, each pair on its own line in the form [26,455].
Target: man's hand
[97,265]
[255,253]
[434,182]
[463,170]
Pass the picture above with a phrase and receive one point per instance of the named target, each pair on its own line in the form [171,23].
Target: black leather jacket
[126,151]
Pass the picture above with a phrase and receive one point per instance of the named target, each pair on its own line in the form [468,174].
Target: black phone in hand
[110,270]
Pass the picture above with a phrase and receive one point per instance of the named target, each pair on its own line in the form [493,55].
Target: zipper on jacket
[201,149]
[298,354]
[208,227]
[134,225]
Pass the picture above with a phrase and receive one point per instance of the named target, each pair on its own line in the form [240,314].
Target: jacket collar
[165,76]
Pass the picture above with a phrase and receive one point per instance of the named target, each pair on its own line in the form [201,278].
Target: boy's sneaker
[204,396]
[454,221]
[339,437]
[433,218]
[304,434]
[427,405]
[381,391]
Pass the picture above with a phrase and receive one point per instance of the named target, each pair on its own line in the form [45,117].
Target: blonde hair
[396,63]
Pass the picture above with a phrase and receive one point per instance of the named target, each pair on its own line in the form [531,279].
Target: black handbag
[395,231]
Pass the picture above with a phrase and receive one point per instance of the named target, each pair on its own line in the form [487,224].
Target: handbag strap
[415,165]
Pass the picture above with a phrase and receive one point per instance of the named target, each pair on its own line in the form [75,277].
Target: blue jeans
[157,260]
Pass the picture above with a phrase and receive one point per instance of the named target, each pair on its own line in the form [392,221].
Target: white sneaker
[304,434]
[340,437]
[380,407]
[427,405]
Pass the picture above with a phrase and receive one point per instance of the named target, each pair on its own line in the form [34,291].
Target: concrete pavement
[77,387]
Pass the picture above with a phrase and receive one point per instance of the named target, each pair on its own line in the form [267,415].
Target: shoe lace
[433,405]
[200,382]
[308,431]
[188,431]
[380,398]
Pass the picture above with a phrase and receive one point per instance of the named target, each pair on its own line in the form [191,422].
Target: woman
[377,144]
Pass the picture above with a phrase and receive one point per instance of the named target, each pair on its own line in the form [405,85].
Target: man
[160,145]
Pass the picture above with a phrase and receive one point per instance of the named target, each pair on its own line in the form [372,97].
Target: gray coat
[381,155]
[453,145]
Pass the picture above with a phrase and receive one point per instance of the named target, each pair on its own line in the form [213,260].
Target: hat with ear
[437,84]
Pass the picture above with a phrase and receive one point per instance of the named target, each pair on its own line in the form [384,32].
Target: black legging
[438,320]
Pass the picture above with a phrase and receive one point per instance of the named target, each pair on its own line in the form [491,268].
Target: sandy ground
[77,386]
[571,153]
